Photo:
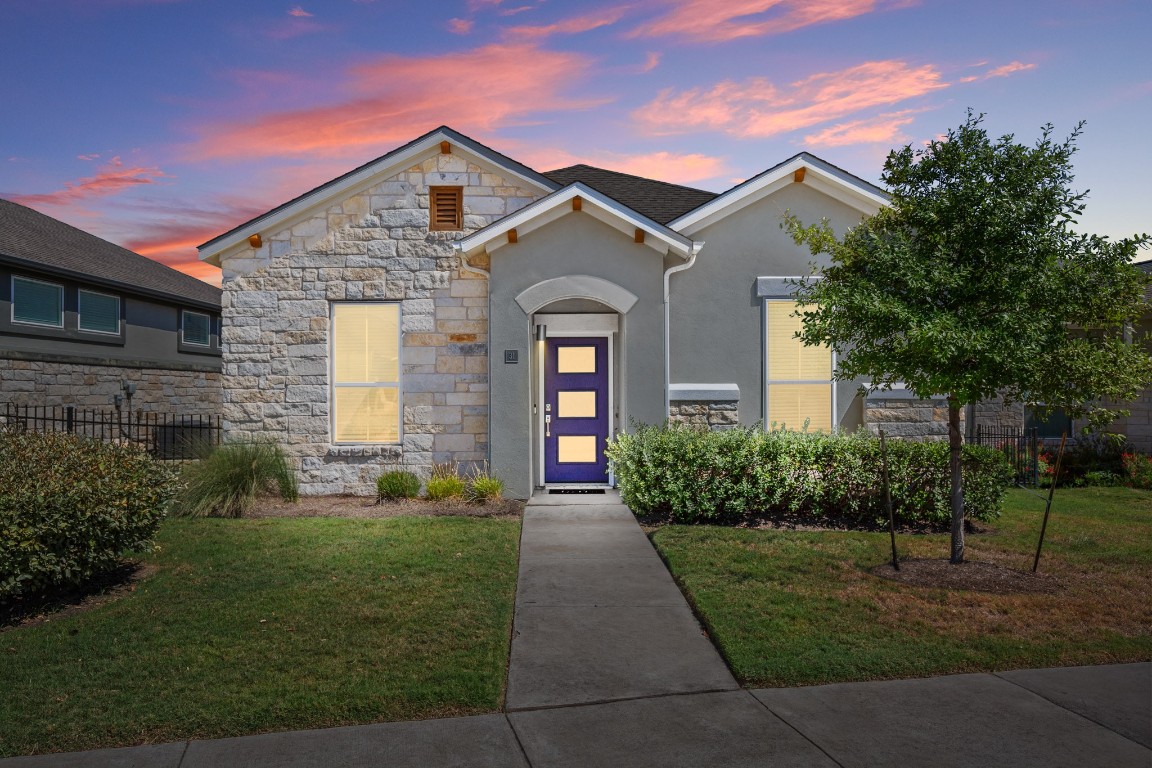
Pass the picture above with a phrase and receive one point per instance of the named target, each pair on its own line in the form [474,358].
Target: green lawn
[262,625]
[796,608]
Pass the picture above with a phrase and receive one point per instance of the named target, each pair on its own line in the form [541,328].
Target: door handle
[548,425]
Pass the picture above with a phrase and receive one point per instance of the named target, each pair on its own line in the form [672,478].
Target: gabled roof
[1144,266]
[818,174]
[591,202]
[658,200]
[35,241]
[365,176]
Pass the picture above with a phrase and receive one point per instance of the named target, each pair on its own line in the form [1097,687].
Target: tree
[973,284]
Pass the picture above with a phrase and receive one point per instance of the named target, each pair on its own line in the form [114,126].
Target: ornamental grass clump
[694,476]
[227,480]
[445,482]
[71,508]
[483,486]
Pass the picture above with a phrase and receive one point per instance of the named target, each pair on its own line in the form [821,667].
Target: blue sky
[158,124]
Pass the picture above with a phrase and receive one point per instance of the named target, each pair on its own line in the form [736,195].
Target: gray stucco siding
[717,314]
[576,244]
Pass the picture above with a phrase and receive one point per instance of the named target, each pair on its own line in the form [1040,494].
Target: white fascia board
[864,200]
[552,207]
[354,183]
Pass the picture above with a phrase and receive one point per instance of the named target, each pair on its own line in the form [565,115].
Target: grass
[796,608]
[263,625]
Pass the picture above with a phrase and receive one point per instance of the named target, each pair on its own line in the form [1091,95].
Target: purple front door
[575,410]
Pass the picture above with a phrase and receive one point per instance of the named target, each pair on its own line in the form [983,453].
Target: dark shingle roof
[31,239]
[1146,266]
[658,200]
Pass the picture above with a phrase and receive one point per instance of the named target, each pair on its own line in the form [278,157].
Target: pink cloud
[299,12]
[570,26]
[393,98]
[722,20]
[672,167]
[651,61]
[111,179]
[517,9]
[460,26]
[756,107]
[1009,69]
[92,156]
[882,129]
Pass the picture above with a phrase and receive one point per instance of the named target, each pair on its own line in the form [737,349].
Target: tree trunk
[956,446]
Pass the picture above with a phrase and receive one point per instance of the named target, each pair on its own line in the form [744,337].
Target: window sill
[373,449]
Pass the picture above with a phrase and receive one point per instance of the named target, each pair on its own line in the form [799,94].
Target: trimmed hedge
[71,508]
[693,476]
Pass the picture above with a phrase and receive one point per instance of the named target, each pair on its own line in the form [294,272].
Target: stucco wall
[717,318]
[372,245]
[576,244]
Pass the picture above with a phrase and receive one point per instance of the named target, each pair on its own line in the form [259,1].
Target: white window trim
[184,314]
[399,384]
[80,315]
[769,383]
[12,316]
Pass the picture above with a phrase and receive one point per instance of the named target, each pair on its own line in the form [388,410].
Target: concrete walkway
[610,668]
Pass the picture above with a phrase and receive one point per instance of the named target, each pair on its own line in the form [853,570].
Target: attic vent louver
[445,208]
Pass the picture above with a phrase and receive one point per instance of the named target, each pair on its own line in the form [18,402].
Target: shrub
[71,508]
[397,484]
[693,476]
[483,486]
[1138,471]
[225,482]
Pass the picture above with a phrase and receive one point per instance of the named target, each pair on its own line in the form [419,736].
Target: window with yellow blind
[445,208]
[365,372]
[798,378]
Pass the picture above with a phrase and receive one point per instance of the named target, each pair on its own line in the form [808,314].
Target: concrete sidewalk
[610,668]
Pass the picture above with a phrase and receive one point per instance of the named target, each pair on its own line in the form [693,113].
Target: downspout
[695,249]
[464,265]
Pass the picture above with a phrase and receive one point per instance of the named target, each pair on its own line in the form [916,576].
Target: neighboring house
[447,303]
[80,317]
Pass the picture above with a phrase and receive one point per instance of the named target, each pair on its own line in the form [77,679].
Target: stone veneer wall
[712,415]
[908,419]
[375,245]
[27,382]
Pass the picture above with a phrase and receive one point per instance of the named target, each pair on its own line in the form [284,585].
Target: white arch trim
[545,292]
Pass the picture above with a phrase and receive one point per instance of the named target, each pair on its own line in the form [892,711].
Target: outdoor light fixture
[541,332]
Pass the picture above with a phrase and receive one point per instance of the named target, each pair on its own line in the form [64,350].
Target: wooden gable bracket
[577,203]
[512,237]
[798,177]
[255,240]
[639,235]
[445,148]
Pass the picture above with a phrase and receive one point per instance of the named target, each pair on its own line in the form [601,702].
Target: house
[80,318]
[447,303]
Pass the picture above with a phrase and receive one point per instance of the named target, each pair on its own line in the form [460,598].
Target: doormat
[576,490]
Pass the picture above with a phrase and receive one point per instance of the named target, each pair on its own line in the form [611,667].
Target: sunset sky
[158,124]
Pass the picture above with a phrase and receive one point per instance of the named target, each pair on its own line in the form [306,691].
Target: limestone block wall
[909,419]
[711,415]
[374,245]
[32,382]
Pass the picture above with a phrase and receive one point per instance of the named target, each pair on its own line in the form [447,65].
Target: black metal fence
[1021,447]
[169,436]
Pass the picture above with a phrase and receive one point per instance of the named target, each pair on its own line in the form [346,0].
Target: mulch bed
[366,507]
[970,575]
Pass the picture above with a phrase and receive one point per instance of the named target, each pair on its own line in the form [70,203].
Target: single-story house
[445,303]
[81,317]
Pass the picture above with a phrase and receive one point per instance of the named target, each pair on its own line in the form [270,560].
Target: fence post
[70,418]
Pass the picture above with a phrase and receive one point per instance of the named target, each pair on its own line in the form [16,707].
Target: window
[37,303]
[99,312]
[798,378]
[445,208]
[366,372]
[196,328]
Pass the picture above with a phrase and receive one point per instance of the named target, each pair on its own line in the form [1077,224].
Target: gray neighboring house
[447,303]
[80,316]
